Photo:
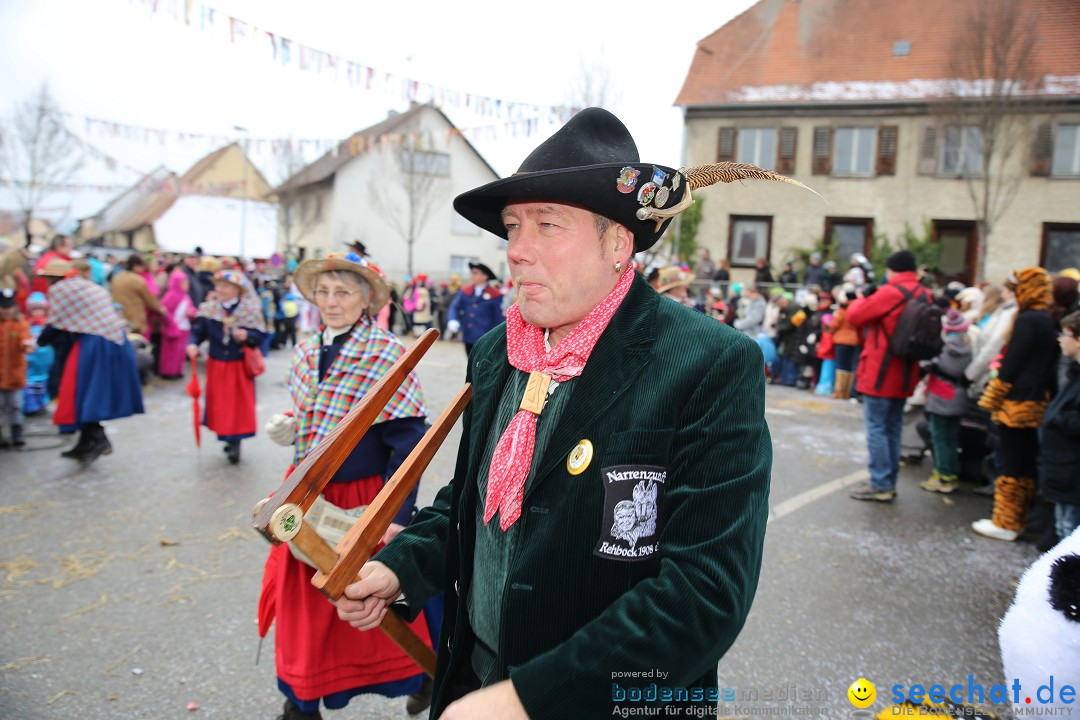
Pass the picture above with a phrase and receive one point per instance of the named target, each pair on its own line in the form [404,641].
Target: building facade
[858,101]
[386,185]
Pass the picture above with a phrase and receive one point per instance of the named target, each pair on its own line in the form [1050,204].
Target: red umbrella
[195,391]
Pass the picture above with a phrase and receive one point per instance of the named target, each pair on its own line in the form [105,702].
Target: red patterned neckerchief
[513,454]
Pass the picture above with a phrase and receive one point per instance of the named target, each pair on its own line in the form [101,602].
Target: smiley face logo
[862,693]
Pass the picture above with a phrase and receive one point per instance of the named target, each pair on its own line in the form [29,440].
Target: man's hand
[496,701]
[240,334]
[193,351]
[365,602]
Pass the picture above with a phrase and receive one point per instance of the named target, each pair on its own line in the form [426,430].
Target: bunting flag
[510,117]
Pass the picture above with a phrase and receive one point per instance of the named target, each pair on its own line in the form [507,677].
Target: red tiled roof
[842,50]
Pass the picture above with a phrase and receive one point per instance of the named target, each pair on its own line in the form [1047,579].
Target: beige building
[389,183]
[855,98]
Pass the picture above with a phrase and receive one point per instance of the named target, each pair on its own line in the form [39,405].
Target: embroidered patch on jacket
[633,496]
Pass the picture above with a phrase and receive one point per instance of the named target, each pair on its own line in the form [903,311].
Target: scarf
[248,313]
[362,361]
[525,350]
[78,305]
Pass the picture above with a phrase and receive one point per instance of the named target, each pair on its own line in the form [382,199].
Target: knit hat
[7,298]
[901,261]
[954,321]
[37,300]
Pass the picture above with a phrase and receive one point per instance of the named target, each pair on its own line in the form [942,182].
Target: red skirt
[318,654]
[230,399]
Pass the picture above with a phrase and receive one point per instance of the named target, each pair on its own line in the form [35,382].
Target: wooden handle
[398,631]
[320,553]
[313,473]
[356,547]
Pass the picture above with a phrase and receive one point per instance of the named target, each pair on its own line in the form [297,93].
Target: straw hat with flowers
[307,274]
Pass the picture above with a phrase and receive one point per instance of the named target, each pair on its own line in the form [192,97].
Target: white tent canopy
[214,224]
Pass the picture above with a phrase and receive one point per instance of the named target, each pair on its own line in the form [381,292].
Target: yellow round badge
[579,458]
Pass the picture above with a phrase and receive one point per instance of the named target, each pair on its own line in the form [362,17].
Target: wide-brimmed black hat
[484,269]
[592,161]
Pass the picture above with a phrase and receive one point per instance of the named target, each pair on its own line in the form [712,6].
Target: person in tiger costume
[1016,400]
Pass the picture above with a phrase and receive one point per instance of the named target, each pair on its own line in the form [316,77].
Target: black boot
[17,436]
[232,450]
[99,445]
[80,447]
[4,444]
[292,712]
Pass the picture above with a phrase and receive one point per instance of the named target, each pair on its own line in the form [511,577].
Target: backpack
[917,335]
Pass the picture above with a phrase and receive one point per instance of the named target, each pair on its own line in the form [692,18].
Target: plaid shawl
[364,358]
[247,315]
[78,305]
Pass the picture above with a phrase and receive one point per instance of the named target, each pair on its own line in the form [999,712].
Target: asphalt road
[128,588]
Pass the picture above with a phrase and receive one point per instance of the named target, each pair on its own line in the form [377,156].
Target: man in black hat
[476,308]
[600,543]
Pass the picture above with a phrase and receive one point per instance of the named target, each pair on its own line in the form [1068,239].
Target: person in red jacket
[884,389]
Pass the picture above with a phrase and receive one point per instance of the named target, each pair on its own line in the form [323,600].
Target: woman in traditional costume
[231,321]
[100,380]
[319,657]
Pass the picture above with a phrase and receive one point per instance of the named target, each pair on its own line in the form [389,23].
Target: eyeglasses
[339,295]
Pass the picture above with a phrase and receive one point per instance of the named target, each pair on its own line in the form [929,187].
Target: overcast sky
[121,61]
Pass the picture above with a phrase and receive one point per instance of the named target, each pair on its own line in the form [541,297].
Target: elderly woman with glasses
[319,657]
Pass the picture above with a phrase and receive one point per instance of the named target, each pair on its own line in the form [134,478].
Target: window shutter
[928,151]
[822,151]
[1042,152]
[785,162]
[725,150]
[886,149]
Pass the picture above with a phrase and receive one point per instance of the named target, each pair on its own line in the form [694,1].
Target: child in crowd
[15,343]
[1061,437]
[40,361]
[946,401]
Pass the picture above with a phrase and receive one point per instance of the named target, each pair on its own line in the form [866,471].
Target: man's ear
[624,242]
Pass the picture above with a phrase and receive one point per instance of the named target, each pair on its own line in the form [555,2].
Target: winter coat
[130,290]
[876,317]
[13,336]
[945,391]
[844,333]
[751,316]
[988,343]
[476,313]
[1060,446]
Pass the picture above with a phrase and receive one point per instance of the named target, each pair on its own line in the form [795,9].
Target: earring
[618,266]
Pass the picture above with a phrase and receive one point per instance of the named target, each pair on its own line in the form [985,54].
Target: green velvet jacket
[673,404]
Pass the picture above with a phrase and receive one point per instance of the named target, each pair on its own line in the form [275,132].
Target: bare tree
[987,114]
[419,185]
[593,85]
[37,153]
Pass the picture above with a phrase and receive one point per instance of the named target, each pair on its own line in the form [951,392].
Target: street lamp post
[243,201]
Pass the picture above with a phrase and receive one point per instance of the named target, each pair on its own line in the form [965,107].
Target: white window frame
[863,140]
[754,139]
[1066,159]
[968,134]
